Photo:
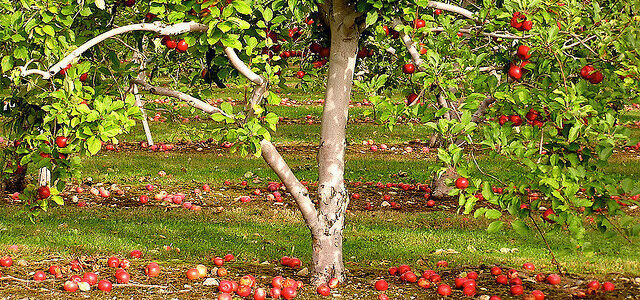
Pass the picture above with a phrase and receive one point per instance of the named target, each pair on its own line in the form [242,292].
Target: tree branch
[451,8]
[193,101]
[156,27]
[242,67]
[482,109]
[409,43]
[298,191]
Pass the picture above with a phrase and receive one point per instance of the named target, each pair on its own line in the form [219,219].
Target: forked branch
[156,27]
[193,101]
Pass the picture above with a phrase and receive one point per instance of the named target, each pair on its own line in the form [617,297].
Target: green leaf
[267,14]
[100,4]
[372,17]
[49,30]
[93,145]
[7,63]
[495,226]
[521,227]
[58,200]
[242,7]
[493,214]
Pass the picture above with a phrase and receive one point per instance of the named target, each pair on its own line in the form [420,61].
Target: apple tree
[69,67]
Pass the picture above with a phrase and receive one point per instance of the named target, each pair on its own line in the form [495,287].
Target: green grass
[255,234]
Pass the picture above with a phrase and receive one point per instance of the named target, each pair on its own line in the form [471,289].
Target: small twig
[483,172]
[9,277]
[553,257]
[541,142]
[617,228]
[141,285]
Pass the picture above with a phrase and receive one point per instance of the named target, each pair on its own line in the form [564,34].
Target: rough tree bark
[327,240]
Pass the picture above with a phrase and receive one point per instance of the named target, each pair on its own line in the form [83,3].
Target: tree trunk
[440,187]
[327,238]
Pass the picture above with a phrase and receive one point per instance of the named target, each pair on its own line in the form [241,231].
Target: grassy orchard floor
[259,231]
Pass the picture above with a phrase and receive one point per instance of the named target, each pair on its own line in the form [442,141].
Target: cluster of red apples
[181,45]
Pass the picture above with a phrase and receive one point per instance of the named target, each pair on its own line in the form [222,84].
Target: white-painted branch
[298,191]
[452,8]
[44,177]
[156,27]
[139,57]
[409,43]
[193,101]
[242,67]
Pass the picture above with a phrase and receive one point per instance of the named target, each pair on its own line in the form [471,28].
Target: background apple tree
[70,67]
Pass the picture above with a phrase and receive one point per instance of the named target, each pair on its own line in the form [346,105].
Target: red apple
[537,295]
[105,285]
[55,271]
[541,277]
[70,286]
[438,12]
[182,46]
[553,279]
[444,290]
[44,192]
[277,282]
[84,77]
[125,264]
[135,254]
[39,276]
[289,293]
[225,296]
[587,72]
[324,290]
[424,283]
[61,141]
[6,261]
[516,290]
[122,276]
[469,291]
[90,278]
[462,183]
[419,23]
[171,44]
[529,267]
[300,74]
[193,274]
[333,283]
[523,52]
[381,285]
[152,270]
[515,72]
[408,68]
[444,263]
[260,294]
[225,286]
[594,285]
[411,98]
[608,286]
[472,275]
[113,262]
[596,77]
[218,261]
[243,291]
[495,271]
[275,293]
[501,279]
